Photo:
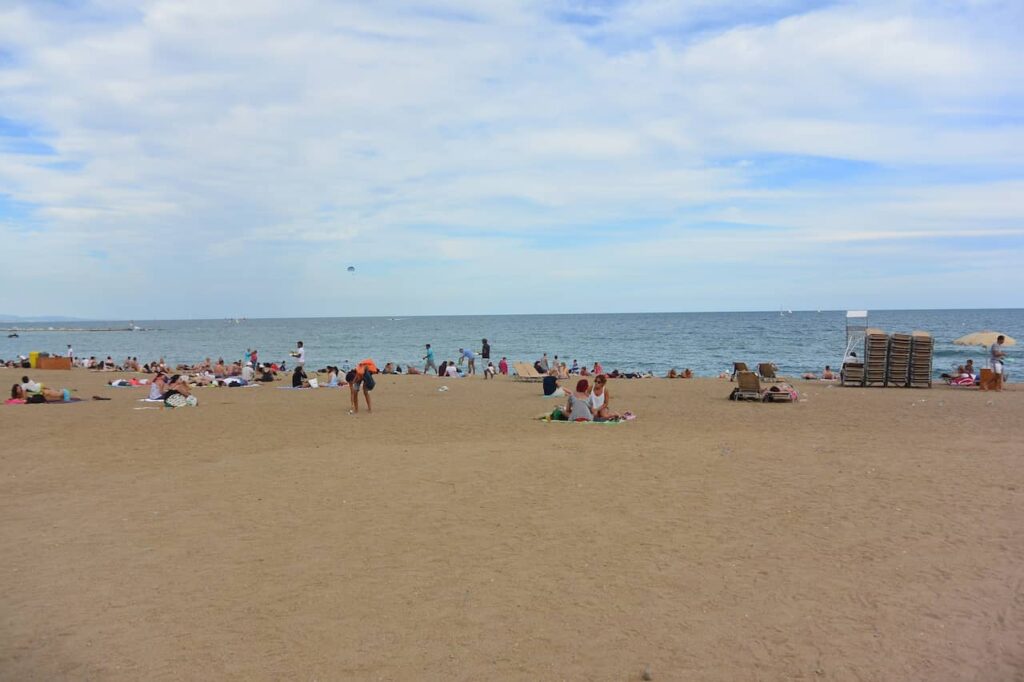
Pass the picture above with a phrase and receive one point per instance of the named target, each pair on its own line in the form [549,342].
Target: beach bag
[175,400]
[314,383]
[368,381]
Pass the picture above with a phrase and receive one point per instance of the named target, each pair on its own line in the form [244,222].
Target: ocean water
[708,343]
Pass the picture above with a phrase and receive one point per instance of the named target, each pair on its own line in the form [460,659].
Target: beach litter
[442,389]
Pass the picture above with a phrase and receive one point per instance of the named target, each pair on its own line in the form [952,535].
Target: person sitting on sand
[550,386]
[828,374]
[299,379]
[176,385]
[672,374]
[266,374]
[563,371]
[157,386]
[412,369]
[600,399]
[30,386]
[389,368]
[452,370]
[332,376]
[578,407]
[490,371]
[44,395]
[598,369]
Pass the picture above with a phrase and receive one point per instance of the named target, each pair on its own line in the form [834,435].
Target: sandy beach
[860,534]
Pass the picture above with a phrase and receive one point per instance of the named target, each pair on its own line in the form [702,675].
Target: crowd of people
[168,382]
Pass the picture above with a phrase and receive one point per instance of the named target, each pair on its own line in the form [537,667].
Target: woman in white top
[600,398]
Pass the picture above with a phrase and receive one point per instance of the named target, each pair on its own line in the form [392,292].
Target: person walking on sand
[299,354]
[429,358]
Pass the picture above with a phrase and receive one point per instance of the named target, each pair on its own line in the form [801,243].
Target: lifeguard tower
[852,373]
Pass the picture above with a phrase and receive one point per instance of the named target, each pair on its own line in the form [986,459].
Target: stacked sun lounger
[853,374]
[921,350]
[876,353]
[898,371]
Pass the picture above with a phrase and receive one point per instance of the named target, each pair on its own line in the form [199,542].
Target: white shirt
[300,356]
[71,352]
[248,373]
[452,371]
[31,387]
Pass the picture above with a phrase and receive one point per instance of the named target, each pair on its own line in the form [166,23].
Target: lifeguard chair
[852,373]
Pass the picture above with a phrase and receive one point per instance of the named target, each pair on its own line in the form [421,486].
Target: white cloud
[436,138]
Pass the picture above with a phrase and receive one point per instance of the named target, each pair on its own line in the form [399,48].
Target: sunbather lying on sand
[44,395]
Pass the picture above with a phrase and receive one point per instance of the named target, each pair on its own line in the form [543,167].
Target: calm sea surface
[705,342]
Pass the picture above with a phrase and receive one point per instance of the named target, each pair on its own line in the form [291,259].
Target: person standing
[429,360]
[299,354]
[996,361]
[503,366]
[485,353]
[543,362]
[71,354]
[254,358]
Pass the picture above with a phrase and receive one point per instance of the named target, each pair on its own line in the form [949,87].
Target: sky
[226,158]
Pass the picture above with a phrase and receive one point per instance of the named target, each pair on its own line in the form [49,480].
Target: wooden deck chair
[748,386]
[526,372]
[738,367]
[767,371]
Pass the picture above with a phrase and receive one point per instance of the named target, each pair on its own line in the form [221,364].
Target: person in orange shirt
[361,378]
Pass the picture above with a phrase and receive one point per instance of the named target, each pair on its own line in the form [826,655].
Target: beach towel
[608,422]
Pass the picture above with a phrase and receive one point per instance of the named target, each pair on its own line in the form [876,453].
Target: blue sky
[210,159]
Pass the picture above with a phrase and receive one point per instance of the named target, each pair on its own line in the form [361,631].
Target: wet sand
[862,534]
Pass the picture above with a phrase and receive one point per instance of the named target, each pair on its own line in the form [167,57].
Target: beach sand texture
[865,534]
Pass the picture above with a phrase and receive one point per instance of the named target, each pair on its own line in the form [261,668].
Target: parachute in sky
[351,268]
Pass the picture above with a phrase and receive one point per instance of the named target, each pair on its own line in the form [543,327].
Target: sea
[706,343]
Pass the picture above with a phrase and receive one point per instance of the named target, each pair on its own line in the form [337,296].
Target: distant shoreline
[71,329]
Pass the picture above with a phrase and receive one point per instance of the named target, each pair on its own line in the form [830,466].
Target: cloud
[423,140]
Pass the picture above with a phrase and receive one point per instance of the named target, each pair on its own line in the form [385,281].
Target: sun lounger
[767,371]
[748,386]
[738,367]
[526,372]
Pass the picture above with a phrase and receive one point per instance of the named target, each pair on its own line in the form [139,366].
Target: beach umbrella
[985,338]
